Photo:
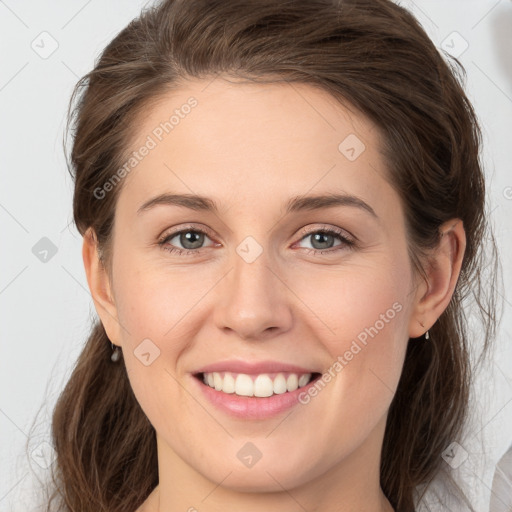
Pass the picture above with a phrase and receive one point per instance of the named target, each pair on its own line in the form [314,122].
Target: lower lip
[249,407]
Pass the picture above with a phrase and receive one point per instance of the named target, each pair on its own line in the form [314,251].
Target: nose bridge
[254,301]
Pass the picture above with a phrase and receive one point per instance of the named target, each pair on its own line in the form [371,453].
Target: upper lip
[253,368]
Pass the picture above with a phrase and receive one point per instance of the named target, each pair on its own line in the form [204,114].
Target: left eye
[323,239]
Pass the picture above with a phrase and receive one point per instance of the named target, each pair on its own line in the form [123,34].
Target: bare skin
[251,148]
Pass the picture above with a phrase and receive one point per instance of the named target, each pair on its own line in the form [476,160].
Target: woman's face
[261,299]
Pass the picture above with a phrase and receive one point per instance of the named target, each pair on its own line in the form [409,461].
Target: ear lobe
[442,275]
[99,286]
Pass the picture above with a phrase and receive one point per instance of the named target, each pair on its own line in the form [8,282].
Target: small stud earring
[427,336]
[116,354]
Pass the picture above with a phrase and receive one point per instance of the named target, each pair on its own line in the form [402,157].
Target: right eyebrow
[192,201]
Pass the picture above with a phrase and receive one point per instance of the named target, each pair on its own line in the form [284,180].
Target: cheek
[363,315]
[158,310]
[154,308]
[360,303]
[153,302]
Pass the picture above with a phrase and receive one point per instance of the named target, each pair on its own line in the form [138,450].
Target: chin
[272,476]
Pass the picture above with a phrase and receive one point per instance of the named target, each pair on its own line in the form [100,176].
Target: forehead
[239,142]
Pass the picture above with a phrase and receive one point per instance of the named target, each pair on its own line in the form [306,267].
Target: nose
[254,300]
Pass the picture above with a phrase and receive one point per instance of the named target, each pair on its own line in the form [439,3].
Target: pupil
[188,238]
[319,236]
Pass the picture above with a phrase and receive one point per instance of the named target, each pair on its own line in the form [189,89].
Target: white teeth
[292,382]
[217,381]
[260,386]
[244,385]
[229,383]
[280,384]
[303,380]
[263,386]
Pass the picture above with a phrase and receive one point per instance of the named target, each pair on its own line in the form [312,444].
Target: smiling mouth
[259,385]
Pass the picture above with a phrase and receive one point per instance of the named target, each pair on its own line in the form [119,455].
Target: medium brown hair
[371,54]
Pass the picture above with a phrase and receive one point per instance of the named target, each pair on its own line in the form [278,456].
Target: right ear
[100,287]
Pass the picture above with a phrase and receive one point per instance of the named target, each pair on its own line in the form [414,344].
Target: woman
[283,209]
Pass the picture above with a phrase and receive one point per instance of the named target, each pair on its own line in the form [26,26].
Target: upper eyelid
[337,230]
[173,233]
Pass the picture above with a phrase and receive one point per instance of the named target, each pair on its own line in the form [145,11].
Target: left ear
[433,296]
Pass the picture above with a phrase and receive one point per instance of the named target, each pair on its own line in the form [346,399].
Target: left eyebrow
[317,202]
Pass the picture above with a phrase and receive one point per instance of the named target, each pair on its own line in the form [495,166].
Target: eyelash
[346,242]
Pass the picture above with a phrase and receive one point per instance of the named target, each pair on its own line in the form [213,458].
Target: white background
[46,307]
